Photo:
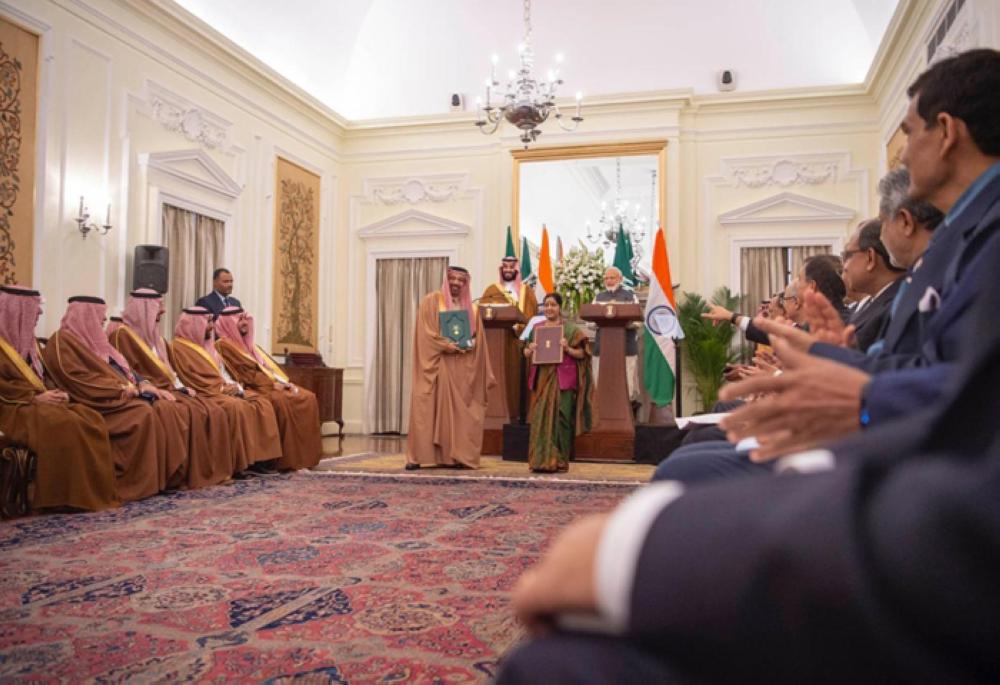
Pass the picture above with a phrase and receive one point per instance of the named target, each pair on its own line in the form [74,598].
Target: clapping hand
[563,581]
[824,321]
[811,403]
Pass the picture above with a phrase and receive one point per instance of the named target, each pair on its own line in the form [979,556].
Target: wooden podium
[613,434]
[499,321]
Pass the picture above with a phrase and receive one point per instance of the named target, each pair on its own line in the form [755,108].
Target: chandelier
[623,217]
[526,102]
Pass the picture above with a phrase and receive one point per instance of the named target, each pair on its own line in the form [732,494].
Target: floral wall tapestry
[18,103]
[296,252]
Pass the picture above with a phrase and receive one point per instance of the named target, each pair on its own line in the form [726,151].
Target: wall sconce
[85,225]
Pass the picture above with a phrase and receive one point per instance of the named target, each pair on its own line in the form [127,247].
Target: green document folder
[454,325]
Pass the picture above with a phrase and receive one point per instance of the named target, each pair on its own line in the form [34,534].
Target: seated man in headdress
[149,454]
[296,408]
[253,426]
[510,290]
[448,395]
[139,340]
[74,466]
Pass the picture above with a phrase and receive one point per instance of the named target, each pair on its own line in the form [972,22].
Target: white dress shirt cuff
[744,323]
[619,549]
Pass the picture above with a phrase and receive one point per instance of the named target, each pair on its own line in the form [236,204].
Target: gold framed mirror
[564,188]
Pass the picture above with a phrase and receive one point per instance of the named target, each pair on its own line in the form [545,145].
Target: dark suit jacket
[214,304]
[622,294]
[883,570]
[903,383]
[902,337]
[870,321]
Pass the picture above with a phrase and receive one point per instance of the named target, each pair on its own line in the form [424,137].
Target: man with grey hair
[909,236]
[907,225]
[617,292]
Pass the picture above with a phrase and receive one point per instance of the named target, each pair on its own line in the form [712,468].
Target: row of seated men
[119,415]
[870,552]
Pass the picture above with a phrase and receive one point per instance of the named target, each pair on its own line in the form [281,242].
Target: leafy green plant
[707,348]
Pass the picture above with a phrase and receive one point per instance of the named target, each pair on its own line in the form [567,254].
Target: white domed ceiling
[373,59]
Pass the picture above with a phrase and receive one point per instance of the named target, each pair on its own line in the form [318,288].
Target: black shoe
[412,467]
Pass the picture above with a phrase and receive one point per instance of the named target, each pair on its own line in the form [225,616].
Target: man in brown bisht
[74,466]
[139,340]
[296,408]
[510,290]
[448,396]
[80,360]
[254,428]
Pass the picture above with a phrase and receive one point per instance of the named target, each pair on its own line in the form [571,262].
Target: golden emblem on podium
[609,311]
[488,314]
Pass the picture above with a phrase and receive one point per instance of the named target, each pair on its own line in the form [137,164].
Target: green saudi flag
[623,257]
[510,245]
[526,272]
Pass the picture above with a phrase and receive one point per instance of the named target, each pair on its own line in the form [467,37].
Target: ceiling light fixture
[526,103]
[623,217]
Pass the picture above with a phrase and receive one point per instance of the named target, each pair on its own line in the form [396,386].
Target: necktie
[899,296]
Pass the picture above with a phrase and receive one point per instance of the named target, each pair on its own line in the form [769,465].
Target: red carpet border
[316,578]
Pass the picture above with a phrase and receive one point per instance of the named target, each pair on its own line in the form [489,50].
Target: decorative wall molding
[176,113]
[952,32]
[786,208]
[412,190]
[786,170]
[401,226]
[195,167]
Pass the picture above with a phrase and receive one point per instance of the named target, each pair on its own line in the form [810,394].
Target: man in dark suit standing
[221,295]
[617,292]
[868,270]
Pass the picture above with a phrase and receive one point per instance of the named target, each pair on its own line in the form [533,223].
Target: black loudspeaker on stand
[151,267]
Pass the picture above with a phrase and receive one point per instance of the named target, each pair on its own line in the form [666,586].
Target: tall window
[767,270]
[197,246]
[399,286]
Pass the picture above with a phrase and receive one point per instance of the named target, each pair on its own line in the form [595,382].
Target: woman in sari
[561,393]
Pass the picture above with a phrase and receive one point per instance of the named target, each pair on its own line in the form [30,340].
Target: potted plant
[707,348]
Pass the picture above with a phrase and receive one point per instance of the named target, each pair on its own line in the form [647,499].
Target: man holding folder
[451,376]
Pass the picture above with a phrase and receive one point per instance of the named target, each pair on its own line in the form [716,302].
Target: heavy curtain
[197,246]
[801,253]
[762,273]
[399,286]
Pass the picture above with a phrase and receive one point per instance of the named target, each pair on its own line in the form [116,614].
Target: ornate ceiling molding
[413,190]
[176,113]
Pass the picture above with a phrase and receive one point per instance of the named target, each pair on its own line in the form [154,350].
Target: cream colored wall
[721,158]
[110,74]
[741,167]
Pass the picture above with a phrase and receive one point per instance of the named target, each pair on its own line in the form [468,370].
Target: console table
[326,382]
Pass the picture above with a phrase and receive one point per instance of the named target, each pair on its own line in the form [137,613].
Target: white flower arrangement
[579,277]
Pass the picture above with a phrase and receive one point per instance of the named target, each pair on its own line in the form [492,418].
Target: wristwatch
[734,318]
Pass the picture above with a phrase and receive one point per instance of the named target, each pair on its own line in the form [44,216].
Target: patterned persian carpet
[319,578]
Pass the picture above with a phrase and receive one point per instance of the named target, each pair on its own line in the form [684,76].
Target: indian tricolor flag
[662,327]
[546,282]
